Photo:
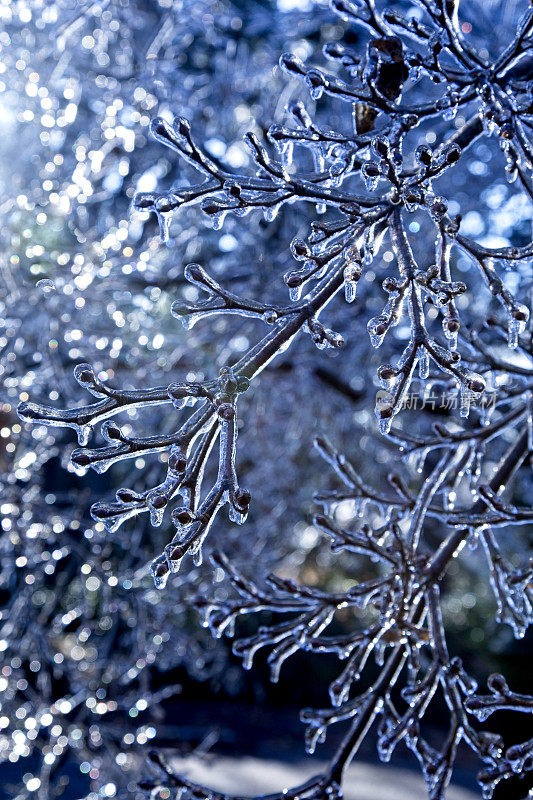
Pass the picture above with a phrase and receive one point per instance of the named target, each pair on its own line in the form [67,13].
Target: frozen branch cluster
[411,98]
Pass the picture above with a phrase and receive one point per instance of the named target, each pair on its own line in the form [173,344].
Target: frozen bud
[409,121]
[452,154]
[381,146]
[158,501]
[352,272]
[351,253]
[438,208]
[227,381]
[233,189]
[299,111]
[166,203]
[491,744]
[178,391]
[412,198]
[452,225]
[103,511]
[291,64]
[452,325]
[111,430]
[144,201]
[506,131]
[80,459]
[386,372]
[390,285]
[371,175]
[520,313]
[424,155]
[84,375]
[476,384]
[160,570]
[377,326]
[242,498]
[496,286]
[300,249]
[177,462]
[182,126]
[316,82]
[497,684]
[161,129]
[293,279]
[182,517]
[226,412]
[127,496]
[455,666]
[211,208]
[277,133]
[270,316]
[384,410]
[333,50]
[392,17]
[370,170]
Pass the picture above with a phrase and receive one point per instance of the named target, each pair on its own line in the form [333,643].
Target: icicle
[370,245]
[451,112]
[377,328]
[452,339]
[486,413]
[489,125]
[420,459]
[295,292]
[157,513]
[351,274]
[164,219]
[512,333]
[318,159]
[237,516]
[511,172]
[529,402]
[336,172]
[516,325]
[271,212]
[314,736]
[277,657]
[473,539]
[159,573]
[385,747]
[449,497]
[285,148]
[371,175]
[423,363]
[46,285]
[385,424]
[350,290]
[465,400]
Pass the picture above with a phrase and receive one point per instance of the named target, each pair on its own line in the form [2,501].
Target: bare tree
[417,93]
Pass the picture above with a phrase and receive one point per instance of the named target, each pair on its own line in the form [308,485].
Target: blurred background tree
[85,279]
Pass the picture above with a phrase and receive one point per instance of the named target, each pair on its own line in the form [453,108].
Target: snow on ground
[253,776]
